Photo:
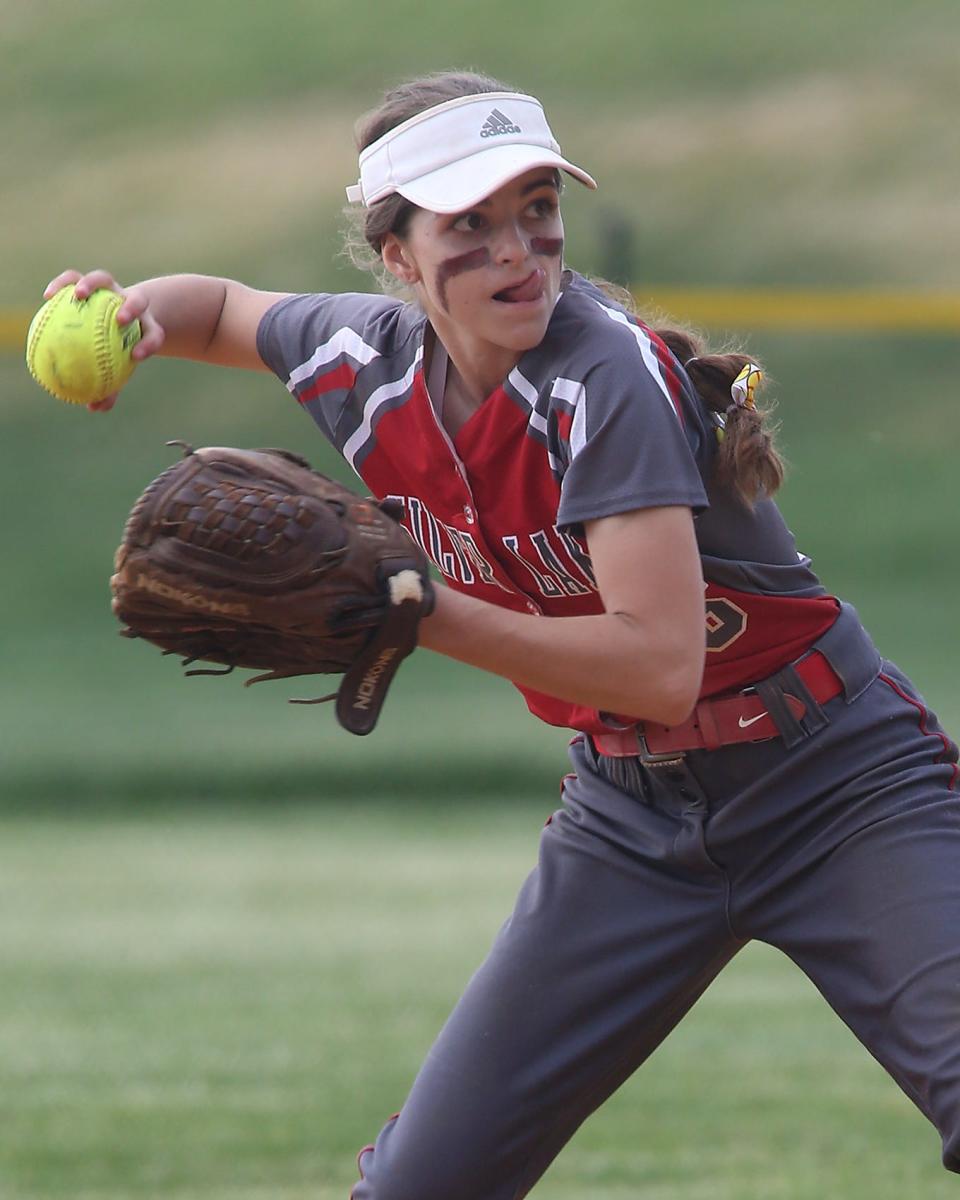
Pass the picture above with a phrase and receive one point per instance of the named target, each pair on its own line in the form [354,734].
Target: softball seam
[100,343]
[36,331]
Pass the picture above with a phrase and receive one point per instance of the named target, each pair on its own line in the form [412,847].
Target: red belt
[721,721]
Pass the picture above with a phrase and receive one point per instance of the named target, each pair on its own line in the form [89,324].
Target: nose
[511,245]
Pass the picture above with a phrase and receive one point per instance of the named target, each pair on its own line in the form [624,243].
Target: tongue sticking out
[530,289]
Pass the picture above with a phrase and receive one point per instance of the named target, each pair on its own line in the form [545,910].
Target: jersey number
[725,623]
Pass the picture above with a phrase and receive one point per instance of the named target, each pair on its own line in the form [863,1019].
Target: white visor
[455,154]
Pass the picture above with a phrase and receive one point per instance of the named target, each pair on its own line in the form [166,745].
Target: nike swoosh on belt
[745,724]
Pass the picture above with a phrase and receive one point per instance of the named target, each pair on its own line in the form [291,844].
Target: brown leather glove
[249,558]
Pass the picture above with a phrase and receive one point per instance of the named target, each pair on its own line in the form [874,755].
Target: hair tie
[744,387]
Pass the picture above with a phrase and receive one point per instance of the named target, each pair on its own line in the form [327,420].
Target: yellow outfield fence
[744,309]
[814,309]
[13,328]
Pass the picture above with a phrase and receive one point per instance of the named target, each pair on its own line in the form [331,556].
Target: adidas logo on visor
[496,124]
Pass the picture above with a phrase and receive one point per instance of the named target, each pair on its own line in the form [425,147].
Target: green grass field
[229,931]
[205,1003]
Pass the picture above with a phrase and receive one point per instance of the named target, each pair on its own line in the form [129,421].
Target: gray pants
[843,851]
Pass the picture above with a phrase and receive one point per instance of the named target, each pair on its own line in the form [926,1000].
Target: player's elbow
[665,679]
[675,680]
[665,695]
[685,677]
[678,696]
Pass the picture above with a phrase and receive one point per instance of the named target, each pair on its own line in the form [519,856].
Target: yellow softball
[76,349]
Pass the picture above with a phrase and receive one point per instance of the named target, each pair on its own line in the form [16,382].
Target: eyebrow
[543,181]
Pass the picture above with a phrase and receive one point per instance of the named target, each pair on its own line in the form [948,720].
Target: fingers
[85,283]
[136,307]
[92,281]
[151,339]
[64,279]
[103,405]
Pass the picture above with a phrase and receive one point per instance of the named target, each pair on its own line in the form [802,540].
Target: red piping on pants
[923,723]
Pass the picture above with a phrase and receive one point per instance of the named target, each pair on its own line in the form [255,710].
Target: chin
[522,333]
[523,344]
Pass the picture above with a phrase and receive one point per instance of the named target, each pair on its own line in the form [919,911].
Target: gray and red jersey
[598,419]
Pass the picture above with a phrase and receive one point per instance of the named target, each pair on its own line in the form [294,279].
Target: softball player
[745,765]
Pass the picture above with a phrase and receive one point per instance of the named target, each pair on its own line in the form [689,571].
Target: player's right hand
[135,307]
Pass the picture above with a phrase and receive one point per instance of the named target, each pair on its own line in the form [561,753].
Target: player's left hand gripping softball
[249,558]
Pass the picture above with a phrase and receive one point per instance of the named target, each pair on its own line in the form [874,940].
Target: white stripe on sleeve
[383,395]
[570,390]
[578,430]
[574,393]
[650,360]
[536,421]
[344,342]
[529,393]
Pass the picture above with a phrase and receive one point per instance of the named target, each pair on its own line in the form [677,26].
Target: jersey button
[468,513]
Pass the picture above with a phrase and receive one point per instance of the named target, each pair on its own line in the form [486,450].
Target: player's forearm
[188,307]
[610,661]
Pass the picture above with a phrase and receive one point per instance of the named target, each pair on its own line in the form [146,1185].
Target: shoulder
[586,316]
[594,345]
[360,325]
[591,334]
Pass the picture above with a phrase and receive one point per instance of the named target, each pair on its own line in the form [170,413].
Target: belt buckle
[649,759]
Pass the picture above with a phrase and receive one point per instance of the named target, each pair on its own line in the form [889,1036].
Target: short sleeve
[319,344]
[636,440]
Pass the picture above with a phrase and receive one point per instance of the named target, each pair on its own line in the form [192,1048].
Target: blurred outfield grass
[225,1004]
[740,143]
[230,930]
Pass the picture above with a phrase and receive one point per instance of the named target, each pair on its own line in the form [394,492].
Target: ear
[398,260]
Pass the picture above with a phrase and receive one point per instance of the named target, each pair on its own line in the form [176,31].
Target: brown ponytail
[747,459]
